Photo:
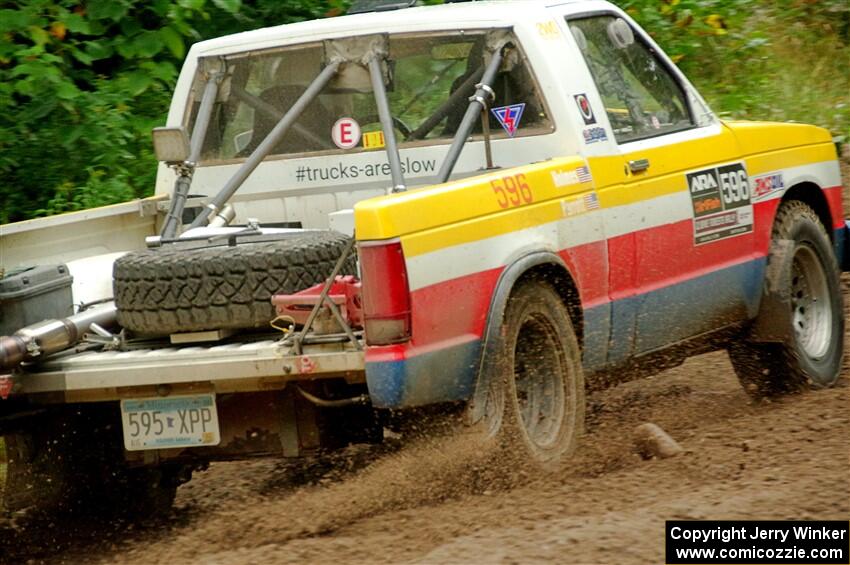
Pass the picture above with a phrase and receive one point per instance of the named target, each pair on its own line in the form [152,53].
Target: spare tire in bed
[171,289]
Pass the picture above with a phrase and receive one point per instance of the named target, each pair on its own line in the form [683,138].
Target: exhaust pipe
[51,336]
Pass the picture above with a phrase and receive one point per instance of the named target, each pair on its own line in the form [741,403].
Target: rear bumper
[225,368]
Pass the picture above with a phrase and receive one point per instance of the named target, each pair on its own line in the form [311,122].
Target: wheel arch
[539,265]
[811,194]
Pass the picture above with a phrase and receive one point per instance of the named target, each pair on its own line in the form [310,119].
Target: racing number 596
[512,191]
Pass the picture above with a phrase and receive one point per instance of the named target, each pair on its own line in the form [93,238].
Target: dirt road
[427,502]
[783,460]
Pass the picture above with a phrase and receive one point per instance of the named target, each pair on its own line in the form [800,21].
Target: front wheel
[803,278]
[534,411]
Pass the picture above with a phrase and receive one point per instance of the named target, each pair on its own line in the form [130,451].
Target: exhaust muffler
[51,336]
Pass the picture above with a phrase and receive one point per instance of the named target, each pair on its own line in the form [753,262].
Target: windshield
[422,73]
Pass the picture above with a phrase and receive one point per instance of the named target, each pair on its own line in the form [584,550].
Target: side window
[641,97]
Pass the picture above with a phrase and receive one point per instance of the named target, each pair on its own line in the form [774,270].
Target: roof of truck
[421,18]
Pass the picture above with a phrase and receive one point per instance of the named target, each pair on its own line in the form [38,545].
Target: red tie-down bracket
[344,292]
[6,386]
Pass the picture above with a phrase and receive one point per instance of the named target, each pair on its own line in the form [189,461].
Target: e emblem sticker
[584,109]
[346,133]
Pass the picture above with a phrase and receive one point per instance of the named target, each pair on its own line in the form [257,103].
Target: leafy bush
[784,60]
[83,83]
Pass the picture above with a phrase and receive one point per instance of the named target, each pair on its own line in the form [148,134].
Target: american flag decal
[591,201]
[583,174]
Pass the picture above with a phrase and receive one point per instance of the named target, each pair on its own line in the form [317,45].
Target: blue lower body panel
[842,246]
[438,376]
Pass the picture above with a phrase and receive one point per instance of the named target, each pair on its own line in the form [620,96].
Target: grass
[777,60]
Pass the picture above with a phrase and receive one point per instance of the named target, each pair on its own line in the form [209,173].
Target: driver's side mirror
[171,144]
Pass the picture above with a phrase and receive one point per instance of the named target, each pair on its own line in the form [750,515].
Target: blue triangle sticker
[509,116]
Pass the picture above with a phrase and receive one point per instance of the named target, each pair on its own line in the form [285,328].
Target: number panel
[512,191]
[178,421]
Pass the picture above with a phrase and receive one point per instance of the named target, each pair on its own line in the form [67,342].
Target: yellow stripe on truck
[788,158]
[477,229]
[395,215]
[469,210]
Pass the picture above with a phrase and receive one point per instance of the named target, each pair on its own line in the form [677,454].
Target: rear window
[422,73]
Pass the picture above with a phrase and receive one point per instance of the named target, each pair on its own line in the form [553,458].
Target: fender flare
[489,358]
[774,315]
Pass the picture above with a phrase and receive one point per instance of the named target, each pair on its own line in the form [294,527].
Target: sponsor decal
[346,133]
[373,140]
[765,184]
[577,206]
[584,174]
[592,135]
[509,117]
[548,30]
[573,207]
[584,109]
[591,201]
[564,178]
[721,202]
[724,220]
[567,178]
[344,172]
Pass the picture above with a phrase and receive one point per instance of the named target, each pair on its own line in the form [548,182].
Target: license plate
[174,421]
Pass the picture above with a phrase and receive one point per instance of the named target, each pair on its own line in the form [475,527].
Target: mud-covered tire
[804,279]
[171,290]
[535,407]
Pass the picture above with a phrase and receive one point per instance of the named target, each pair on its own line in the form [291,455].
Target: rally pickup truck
[486,206]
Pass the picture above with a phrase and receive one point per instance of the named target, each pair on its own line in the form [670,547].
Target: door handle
[638,165]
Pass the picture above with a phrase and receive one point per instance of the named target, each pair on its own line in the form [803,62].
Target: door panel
[692,260]
[679,219]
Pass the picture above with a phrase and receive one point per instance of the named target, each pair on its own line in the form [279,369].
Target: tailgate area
[224,368]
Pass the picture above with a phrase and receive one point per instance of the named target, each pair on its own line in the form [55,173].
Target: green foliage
[83,83]
[784,60]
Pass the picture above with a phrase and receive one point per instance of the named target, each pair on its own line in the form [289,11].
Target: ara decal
[722,202]
[509,116]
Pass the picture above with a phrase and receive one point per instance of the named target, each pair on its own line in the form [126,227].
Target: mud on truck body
[491,206]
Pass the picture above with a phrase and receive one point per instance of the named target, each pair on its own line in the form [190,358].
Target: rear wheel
[803,279]
[534,411]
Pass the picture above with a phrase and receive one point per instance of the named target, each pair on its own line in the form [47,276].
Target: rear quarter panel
[457,239]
